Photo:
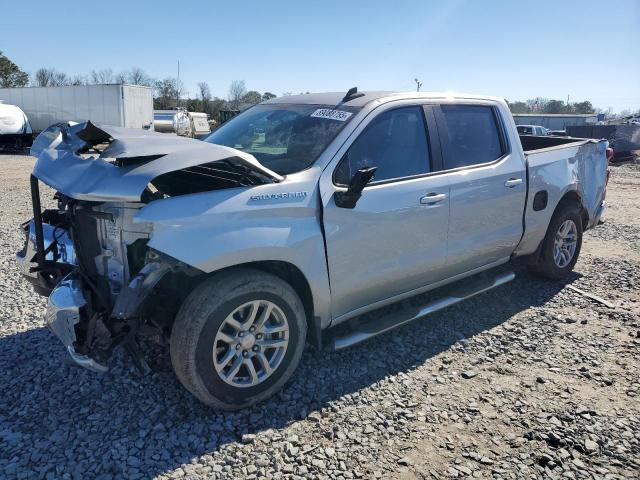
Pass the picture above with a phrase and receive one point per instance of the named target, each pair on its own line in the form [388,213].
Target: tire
[205,322]
[546,264]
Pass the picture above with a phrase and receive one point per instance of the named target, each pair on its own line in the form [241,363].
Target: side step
[467,289]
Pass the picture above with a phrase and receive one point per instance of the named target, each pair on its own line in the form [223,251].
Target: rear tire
[561,245]
[238,338]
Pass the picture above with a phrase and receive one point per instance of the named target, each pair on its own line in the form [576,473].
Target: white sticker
[329,114]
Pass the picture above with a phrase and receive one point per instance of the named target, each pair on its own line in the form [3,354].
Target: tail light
[609,158]
[609,154]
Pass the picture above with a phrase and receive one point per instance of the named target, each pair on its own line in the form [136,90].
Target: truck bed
[530,143]
[555,166]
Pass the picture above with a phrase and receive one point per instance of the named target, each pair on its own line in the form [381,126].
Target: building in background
[558,121]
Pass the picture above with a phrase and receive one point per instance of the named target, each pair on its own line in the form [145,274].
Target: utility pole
[418,84]
[178,87]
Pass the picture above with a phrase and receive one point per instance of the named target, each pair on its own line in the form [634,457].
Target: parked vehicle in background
[558,133]
[15,129]
[291,221]
[181,122]
[129,106]
[532,130]
[199,124]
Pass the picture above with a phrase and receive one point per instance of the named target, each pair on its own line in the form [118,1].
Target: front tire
[238,338]
[561,245]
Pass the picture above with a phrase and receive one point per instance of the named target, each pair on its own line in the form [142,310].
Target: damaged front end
[93,264]
[90,256]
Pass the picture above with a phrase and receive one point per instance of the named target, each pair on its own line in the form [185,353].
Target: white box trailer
[128,106]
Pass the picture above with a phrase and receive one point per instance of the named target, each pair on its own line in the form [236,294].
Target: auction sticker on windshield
[329,114]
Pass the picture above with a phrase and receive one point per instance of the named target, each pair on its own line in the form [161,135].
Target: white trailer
[129,106]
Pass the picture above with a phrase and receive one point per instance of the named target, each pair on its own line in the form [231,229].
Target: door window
[395,142]
[471,136]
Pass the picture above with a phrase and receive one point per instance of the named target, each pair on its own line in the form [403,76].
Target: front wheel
[238,338]
[561,246]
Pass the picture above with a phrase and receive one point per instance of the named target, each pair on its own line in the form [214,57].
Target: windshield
[285,138]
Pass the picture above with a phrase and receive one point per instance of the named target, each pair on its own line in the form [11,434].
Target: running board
[467,289]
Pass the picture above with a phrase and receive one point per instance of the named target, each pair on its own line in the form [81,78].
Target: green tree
[518,107]
[554,106]
[583,107]
[252,97]
[167,92]
[10,74]
[268,96]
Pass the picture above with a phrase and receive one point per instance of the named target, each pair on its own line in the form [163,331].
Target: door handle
[513,182]
[432,198]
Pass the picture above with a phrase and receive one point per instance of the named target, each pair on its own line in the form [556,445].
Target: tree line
[545,105]
[168,92]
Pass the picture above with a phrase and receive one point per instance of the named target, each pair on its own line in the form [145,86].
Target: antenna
[418,84]
[178,87]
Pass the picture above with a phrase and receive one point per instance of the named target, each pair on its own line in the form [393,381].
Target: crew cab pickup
[290,222]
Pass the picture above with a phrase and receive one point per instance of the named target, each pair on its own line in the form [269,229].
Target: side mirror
[349,198]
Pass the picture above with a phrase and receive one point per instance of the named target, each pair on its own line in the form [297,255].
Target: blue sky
[588,49]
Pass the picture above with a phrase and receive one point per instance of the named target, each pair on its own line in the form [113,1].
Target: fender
[219,229]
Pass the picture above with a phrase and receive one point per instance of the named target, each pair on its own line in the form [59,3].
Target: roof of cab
[335,98]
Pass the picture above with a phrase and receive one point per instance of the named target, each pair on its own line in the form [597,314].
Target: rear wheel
[238,338]
[561,246]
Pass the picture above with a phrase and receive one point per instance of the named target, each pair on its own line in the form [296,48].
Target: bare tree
[138,76]
[49,77]
[205,95]
[59,79]
[42,77]
[79,80]
[121,77]
[237,90]
[102,76]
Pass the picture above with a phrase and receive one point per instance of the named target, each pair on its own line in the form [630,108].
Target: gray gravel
[530,380]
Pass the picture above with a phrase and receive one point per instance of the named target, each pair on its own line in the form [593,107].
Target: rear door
[487,186]
[395,239]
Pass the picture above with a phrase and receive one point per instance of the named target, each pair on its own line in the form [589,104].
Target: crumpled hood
[92,177]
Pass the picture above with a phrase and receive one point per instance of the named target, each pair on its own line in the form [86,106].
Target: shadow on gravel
[14,153]
[57,419]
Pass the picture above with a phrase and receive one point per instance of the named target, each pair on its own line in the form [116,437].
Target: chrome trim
[63,309]
[86,362]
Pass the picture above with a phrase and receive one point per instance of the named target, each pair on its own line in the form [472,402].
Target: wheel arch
[572,197]
[289,273]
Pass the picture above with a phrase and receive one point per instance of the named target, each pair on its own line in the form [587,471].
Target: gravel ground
[530,380]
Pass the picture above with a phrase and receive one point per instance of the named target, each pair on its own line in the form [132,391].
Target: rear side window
[471,135]
[395,142]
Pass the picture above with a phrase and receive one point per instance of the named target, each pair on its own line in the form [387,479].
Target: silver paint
[392,245]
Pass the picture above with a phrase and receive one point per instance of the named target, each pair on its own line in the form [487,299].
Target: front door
[395,239]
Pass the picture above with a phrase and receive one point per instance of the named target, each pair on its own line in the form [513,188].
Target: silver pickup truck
[290,222]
